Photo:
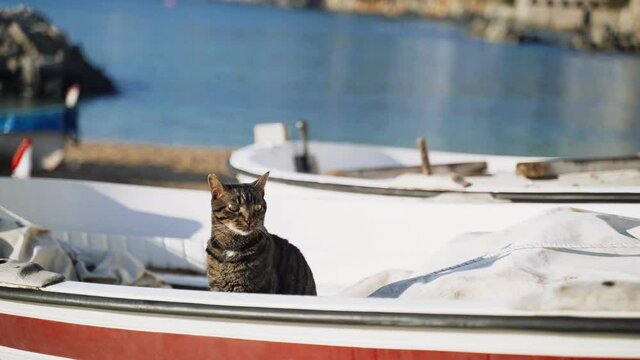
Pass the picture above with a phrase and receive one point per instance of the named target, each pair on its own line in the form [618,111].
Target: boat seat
[156,253]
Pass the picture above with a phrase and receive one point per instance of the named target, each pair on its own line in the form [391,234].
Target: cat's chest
[229,254]
[228,261]
[241,276]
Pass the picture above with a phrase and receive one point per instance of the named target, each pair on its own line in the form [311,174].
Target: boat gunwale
[551,323]
[516,197]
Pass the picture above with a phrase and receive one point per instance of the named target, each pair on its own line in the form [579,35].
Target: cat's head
[238,208]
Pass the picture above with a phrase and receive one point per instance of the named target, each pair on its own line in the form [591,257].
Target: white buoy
[71,99]
[22,160]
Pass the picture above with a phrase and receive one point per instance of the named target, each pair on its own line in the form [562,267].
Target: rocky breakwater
[38,62]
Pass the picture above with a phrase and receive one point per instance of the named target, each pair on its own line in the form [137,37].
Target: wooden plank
[552,168]
[463,169]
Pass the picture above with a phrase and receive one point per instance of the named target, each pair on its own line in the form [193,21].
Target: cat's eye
[233,207]
[257,207]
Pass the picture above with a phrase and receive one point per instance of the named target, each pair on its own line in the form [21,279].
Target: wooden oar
[552,168]
[424,156]
[464,169]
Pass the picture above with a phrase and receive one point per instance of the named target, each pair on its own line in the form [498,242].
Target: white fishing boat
[377,170]
[165,230]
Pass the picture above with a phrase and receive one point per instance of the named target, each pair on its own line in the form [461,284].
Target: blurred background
[528,77]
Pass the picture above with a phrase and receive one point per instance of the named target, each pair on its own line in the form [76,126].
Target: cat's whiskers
[219,226]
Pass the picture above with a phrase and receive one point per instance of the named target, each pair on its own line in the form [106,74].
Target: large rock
[37,61]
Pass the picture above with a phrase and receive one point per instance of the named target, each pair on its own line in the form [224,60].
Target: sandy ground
[166,166]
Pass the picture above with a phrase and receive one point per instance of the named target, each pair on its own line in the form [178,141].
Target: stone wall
[629,20]
[426,8]
[550,14]
[566,15]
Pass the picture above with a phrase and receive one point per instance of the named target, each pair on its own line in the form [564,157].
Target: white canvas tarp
[27,249]
[565,259]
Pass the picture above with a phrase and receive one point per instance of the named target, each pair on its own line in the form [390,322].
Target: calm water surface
[205,73]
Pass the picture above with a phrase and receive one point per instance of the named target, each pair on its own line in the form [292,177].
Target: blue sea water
[204,73]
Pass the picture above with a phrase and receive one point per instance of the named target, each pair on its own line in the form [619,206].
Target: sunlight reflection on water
[199,73]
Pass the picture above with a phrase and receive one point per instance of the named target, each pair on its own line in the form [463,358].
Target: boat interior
[166,230]
[390,167]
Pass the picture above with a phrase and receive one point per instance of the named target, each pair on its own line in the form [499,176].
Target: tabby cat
[242,256]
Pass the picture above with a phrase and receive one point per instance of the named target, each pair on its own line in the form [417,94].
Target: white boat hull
[81,320]
[171,324]
[499,184]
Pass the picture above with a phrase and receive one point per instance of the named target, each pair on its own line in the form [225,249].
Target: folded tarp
[23,244]
[565,259]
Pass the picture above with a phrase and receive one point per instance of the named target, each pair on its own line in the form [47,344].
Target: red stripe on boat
[24,145]
[92,342]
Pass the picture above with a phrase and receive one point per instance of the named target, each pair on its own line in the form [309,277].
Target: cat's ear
[216,186]
[261,182]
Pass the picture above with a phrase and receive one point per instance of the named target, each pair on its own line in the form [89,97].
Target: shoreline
[586,26]
[142,164]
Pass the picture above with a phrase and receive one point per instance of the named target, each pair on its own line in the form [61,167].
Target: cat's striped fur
[241,254]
